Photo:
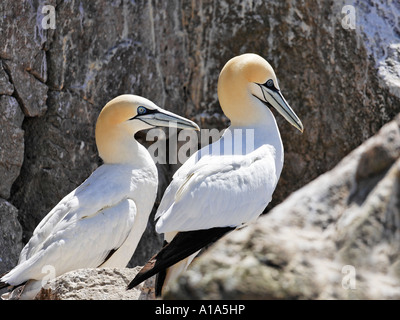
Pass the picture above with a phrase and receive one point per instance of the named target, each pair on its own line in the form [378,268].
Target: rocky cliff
[340,77]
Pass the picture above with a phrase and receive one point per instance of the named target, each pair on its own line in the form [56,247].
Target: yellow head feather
[233,85]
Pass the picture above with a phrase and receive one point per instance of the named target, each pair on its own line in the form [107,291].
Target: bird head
[127,114]
[248,77]
[136,113]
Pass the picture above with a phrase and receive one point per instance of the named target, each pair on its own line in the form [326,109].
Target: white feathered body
[107,213]
[225,184]
[221,186]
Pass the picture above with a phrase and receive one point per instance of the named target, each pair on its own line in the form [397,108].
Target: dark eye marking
[141,110]
[270,85]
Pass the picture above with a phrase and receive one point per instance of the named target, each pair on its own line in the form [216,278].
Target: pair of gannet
[100,223]
[220,188]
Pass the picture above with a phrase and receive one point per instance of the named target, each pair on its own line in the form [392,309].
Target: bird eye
[141,110]
[270,83]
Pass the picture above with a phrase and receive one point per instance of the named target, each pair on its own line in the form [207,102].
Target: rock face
[97,284]
[342,82]
[12,143]
[336,238]
[10,235]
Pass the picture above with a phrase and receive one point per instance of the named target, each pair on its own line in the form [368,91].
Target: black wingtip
[140,277]
[147,271]
[183,245]
[134,283]
[144,273]
[160,279]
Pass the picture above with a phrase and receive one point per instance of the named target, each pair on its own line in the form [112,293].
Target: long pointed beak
[274,97]
[163,118]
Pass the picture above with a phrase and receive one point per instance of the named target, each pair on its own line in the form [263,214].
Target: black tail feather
[160,278]
[183,245]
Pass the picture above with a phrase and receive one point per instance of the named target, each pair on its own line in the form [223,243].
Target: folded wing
[82,231]
[221,191]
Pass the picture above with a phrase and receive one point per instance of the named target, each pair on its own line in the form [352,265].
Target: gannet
[220,189]
[100,223]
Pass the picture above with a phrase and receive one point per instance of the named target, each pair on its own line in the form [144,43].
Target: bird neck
[244,139]
[256,134]
[116,145]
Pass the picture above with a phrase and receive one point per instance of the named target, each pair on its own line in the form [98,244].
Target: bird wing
[219,191]
[82,230]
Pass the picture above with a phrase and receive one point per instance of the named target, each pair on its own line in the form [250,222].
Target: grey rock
[97,284]
[23,55]
[335,238]
[10,236]
[6,86]
[11,143]
[31,93]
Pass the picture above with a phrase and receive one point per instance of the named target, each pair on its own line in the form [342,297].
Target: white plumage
[219,189]
[94,219]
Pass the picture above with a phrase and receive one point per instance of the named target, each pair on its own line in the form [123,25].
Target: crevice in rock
[15,93]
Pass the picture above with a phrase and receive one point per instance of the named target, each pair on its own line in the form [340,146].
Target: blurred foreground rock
[97,284]
[336,238]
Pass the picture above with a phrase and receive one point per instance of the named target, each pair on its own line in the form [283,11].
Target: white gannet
[222,187]
[100,223]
